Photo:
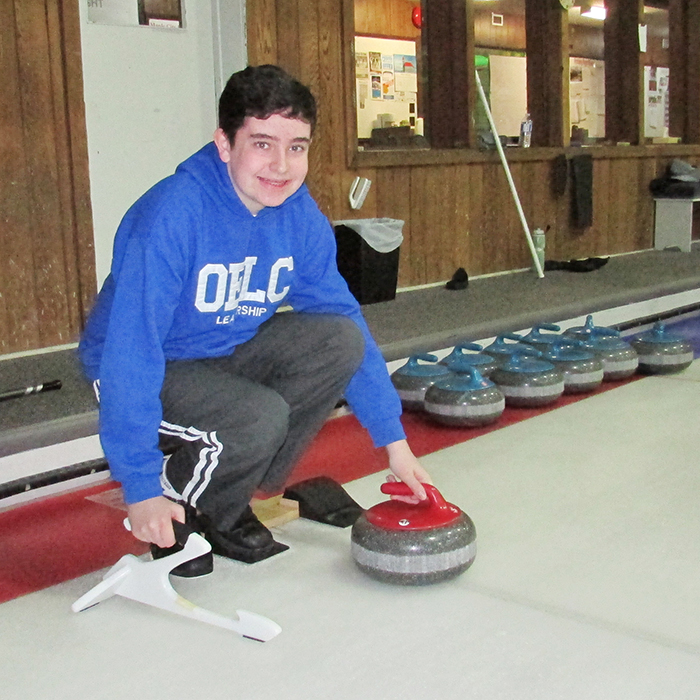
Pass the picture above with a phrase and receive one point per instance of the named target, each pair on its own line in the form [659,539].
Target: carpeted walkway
[416,321]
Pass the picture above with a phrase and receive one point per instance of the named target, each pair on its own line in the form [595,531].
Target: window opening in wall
[501,60]
[160,13]
[388,74]
[587,73]
[150,13]
[656,73]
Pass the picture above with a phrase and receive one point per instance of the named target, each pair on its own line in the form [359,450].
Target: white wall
[150,102]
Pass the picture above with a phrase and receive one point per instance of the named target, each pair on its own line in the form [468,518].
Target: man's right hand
[151,520]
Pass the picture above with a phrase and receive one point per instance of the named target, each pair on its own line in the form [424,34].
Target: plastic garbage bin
[368,257]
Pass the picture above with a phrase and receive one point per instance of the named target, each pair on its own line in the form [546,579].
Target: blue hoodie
[194,274]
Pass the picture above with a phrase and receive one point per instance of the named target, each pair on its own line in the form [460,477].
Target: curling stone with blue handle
[589,329]
[582,369]
[408,544]
[528,381]
[466,399]
[662,352]
[620,359]
[460,359]
[501,350]
[413,379]
[539,339]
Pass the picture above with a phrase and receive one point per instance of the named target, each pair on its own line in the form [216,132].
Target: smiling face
[268,160]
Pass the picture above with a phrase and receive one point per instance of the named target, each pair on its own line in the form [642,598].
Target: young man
[186,349]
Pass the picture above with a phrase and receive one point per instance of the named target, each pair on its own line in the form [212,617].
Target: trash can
[368,257]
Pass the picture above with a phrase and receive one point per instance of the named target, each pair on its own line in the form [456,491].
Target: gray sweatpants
[239,423]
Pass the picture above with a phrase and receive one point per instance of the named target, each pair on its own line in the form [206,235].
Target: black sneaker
[248,541]
[194,568]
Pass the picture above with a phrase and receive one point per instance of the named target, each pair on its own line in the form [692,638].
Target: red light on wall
[417,17]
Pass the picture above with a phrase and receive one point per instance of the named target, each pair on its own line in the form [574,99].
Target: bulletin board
[656,103]
[386,76]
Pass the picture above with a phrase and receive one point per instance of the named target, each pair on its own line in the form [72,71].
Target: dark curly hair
[260,91]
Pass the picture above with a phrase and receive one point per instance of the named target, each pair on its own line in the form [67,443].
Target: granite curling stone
[529,382]
[466,399]
[662,352]
[620,359]
[412,379]
[582,369]
[539,339]
[460,359]
[501,350]
[405,544]
[589,329]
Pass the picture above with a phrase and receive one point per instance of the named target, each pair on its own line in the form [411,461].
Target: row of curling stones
[457,394]
[409,544]
[656,351]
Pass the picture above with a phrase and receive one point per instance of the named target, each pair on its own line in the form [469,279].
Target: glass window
[499,44]
[654,46]
[388,64]
[587,73]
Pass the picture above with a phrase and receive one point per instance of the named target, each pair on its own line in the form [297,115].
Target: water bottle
[525,131]
[539,242]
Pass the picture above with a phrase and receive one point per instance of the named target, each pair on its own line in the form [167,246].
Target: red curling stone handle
[424,515]
[398,488]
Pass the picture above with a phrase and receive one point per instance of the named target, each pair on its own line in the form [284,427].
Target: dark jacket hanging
[582,190]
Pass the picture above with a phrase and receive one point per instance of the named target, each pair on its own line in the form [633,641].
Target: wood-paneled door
[47,267]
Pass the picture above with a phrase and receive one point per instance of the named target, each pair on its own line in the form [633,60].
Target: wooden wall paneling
[84,240]
[421,225]
[437,205]
[519,253]
[678,64]
[548,72]
[496,214]
[261,29]
[389,18]
[289,35]
[333,104]
[38,96]
[691,97]
[621,189]
[586,42]
[441,231]
[538,205]
[17,294]
[593,241]
[510,36]
[684,61]
[392,199]
[450,62]
[473,187]
[648,169]
[65,210]
[624,120]
[459,239]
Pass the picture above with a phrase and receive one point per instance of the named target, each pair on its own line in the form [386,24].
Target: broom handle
[40,388]
[511,184]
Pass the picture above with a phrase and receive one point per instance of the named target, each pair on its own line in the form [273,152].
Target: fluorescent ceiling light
[593,11]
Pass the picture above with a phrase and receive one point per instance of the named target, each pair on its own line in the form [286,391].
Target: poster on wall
[376,87]
[656,103]
[386,73]
[375,61]
[405,73]
[361,66]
